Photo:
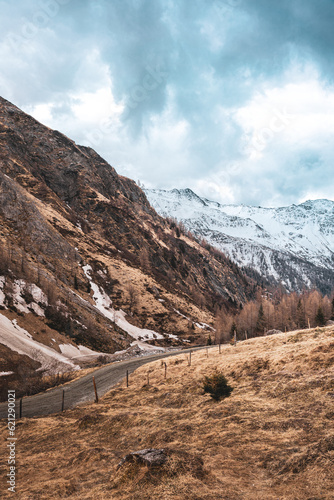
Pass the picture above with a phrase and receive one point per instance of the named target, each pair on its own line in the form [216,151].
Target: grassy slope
[273,438]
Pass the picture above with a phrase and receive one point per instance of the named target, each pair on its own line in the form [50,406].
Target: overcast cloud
[232,98]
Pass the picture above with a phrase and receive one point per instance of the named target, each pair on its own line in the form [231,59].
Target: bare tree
[51,293]
[144,260]
[4,260]
[132,297]
[223,323]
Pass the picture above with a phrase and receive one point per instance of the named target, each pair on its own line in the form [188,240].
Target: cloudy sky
[232,98]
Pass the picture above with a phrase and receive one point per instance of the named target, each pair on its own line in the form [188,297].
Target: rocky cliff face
[92,242]
[290,245]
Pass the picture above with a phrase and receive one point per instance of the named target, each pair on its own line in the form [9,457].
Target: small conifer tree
[320,317]
[216,385]
[234,329]
[301,322]
[261,322]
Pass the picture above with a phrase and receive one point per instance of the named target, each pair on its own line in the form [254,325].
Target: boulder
[151,457]
[273,332]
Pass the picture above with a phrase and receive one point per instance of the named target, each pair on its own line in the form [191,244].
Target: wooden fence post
[190,358]
[220,348]
[127,378]
[95,390]
[235,338]
[63,400]
[165,370]
[246,334]
[309,326]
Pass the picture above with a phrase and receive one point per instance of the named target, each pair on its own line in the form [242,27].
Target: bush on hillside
[216,385]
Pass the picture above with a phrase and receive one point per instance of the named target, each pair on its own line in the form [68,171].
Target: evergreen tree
[301,323]
[320,317]
[261,321]
[216,385]
[234,328]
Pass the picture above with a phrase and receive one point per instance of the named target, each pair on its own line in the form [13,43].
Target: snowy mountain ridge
[293,245]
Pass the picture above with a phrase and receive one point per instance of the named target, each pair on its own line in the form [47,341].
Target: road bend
[81,390]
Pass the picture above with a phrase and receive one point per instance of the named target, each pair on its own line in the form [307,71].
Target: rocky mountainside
[290,245]
[84,258]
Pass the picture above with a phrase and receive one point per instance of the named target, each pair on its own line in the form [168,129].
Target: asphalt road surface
[82,390]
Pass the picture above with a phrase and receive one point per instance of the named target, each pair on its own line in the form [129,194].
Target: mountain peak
[321,203]
[185,194]
[293,244]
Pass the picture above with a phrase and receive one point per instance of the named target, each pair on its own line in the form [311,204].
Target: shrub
[40,383]
[58,318]
[27,382]
[103,360]
[216,385]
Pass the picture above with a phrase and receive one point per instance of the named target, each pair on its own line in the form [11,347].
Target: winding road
[81,390]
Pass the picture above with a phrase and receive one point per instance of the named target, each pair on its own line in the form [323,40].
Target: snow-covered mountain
[291,245]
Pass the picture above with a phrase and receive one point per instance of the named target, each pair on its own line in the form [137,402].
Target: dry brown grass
[273,438]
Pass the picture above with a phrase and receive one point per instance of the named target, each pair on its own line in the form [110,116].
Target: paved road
[82,390]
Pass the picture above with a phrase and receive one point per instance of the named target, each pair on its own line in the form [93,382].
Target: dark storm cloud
[173,63]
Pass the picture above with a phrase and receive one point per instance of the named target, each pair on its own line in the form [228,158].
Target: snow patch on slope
[20,341]
[71,351]
[2,295]
[104,304]
[19,287]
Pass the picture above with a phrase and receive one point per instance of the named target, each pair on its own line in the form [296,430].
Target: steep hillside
[273,438]
[289,245]
[85,256]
